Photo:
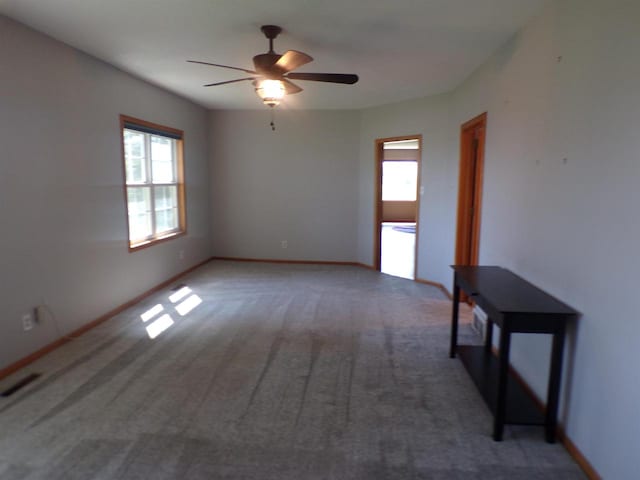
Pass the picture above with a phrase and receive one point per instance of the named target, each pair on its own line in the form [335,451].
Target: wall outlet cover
[27,322]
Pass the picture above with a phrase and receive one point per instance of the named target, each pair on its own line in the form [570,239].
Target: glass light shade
[270,91]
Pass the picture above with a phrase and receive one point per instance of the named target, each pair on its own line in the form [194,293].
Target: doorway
[472,141]
[397,205]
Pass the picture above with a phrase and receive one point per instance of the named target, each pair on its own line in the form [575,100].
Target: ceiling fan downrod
[271,32]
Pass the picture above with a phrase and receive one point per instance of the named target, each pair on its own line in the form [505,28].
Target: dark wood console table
[516,306]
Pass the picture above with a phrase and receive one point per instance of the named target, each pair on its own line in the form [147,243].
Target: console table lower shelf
[483,368]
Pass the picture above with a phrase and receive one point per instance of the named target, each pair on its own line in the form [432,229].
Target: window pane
[166,206]
[139,204]
[162,159]
[399,180]
[134,154]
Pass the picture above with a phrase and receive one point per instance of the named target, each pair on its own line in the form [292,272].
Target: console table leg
[488,337]
[553,389]
[501,407]
[454,320]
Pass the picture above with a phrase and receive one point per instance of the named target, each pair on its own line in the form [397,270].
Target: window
[154,181]
[399,180]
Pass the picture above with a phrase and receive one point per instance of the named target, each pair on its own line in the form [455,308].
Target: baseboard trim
[292,262]
[437,285]
[562,436]
[577,455]
[364,265]
[23,362]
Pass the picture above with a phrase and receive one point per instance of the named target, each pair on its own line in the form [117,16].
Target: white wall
[299,184]
[571,226]
[429,117]
[62,210]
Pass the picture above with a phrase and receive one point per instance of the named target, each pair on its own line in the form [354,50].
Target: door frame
[465,193]
[377,226]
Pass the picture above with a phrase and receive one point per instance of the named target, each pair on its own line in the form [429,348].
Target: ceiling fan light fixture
[270,91]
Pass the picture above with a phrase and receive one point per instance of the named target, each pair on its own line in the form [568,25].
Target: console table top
[508,292]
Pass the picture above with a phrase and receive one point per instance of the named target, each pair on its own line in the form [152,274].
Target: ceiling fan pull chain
[273,125]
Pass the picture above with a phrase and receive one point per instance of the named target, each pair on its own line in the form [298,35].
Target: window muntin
[153,177]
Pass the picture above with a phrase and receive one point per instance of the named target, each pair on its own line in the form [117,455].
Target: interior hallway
[275,372]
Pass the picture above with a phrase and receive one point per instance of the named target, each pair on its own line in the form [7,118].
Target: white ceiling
[401,49]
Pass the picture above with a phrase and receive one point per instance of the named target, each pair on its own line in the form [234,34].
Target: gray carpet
[282,372]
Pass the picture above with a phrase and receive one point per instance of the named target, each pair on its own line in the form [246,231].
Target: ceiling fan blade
[292,59]
[229,81]
[290,88]
[222,66]
[347,78]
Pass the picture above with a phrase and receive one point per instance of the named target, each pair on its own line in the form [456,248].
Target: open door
[397,205]
[472,140]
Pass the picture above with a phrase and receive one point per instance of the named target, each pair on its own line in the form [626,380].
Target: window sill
[148,243]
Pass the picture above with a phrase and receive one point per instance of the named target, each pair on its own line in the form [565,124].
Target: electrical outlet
[27,322]
[284,244]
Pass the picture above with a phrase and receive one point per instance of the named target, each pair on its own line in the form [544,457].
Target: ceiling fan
[273,72]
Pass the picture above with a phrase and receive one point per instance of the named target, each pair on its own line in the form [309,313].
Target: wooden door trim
[463,193]
[377,226]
